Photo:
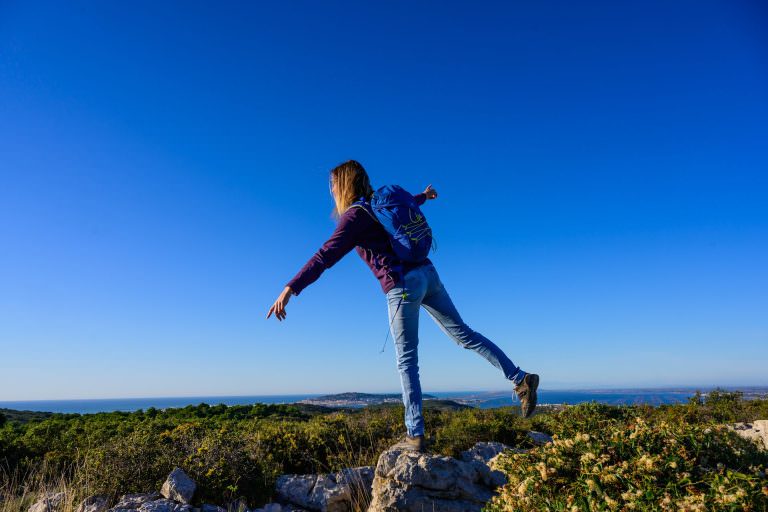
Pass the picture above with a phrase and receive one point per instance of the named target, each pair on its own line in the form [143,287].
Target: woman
[407,286]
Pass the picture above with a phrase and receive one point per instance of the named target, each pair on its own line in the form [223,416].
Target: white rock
[415,482]
[483,452]
[93,504]
[164,505]
[50,502]
[756,431]
[483,457]
[333,492]
[134,501]
[178,486]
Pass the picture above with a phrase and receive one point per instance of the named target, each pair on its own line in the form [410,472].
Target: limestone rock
[756,431]
[484,452]
[416,482]
[178,486]
[50,502]
[164,505]
[333,492]
[93,504]
[483,457]
[132,502]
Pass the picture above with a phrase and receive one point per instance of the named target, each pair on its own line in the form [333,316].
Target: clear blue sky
[602,170]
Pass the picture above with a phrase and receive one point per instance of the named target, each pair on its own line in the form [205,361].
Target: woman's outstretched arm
[345,237]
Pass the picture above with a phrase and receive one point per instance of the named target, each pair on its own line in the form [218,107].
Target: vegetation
[230,452]
[642,458]
[669,453]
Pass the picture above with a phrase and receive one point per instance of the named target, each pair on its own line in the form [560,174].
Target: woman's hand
[430,192]
[278,308]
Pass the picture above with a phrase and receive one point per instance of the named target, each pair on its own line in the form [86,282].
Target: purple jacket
[357,229]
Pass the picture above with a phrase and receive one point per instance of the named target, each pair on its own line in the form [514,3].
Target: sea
[480,399]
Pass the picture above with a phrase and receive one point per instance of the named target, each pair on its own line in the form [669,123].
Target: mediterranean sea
[480,399]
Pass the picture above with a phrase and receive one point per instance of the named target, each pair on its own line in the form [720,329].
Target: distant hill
[12,415]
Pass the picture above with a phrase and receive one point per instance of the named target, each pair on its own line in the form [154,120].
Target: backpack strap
[360,203]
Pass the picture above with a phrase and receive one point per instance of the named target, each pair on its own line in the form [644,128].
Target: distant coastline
[479,399]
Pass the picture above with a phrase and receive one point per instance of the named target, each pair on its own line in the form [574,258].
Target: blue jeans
[421,286]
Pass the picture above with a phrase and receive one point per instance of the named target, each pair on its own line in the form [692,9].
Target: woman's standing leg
[403,303]
[439,305]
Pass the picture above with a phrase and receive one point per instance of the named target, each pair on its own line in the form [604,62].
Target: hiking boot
[526,392]
[410,444]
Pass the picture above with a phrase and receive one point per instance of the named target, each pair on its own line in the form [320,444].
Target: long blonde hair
[351,182]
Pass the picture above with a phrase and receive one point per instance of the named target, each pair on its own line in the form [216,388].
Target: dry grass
[21,488]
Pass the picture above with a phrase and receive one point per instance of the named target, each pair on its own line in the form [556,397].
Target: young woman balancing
[407,286]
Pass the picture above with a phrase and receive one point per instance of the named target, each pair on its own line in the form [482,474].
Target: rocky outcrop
[178,487]
[334,492]
[756,431]
[414,482]
[417,482]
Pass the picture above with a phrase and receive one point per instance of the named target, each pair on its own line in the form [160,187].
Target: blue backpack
[396,210]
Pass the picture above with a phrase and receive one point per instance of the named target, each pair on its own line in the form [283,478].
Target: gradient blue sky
[602,170]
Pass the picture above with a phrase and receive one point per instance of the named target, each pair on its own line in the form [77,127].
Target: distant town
[357,399]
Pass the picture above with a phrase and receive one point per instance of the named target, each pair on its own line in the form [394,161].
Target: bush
[636,465]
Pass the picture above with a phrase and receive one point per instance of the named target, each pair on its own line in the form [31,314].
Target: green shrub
[635,465]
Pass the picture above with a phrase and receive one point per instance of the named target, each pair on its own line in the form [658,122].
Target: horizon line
[604,389]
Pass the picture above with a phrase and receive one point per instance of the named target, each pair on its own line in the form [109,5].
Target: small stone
[134,501]
[165,505]
[93,504]
[332,492]
[483,452]
[178,486]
